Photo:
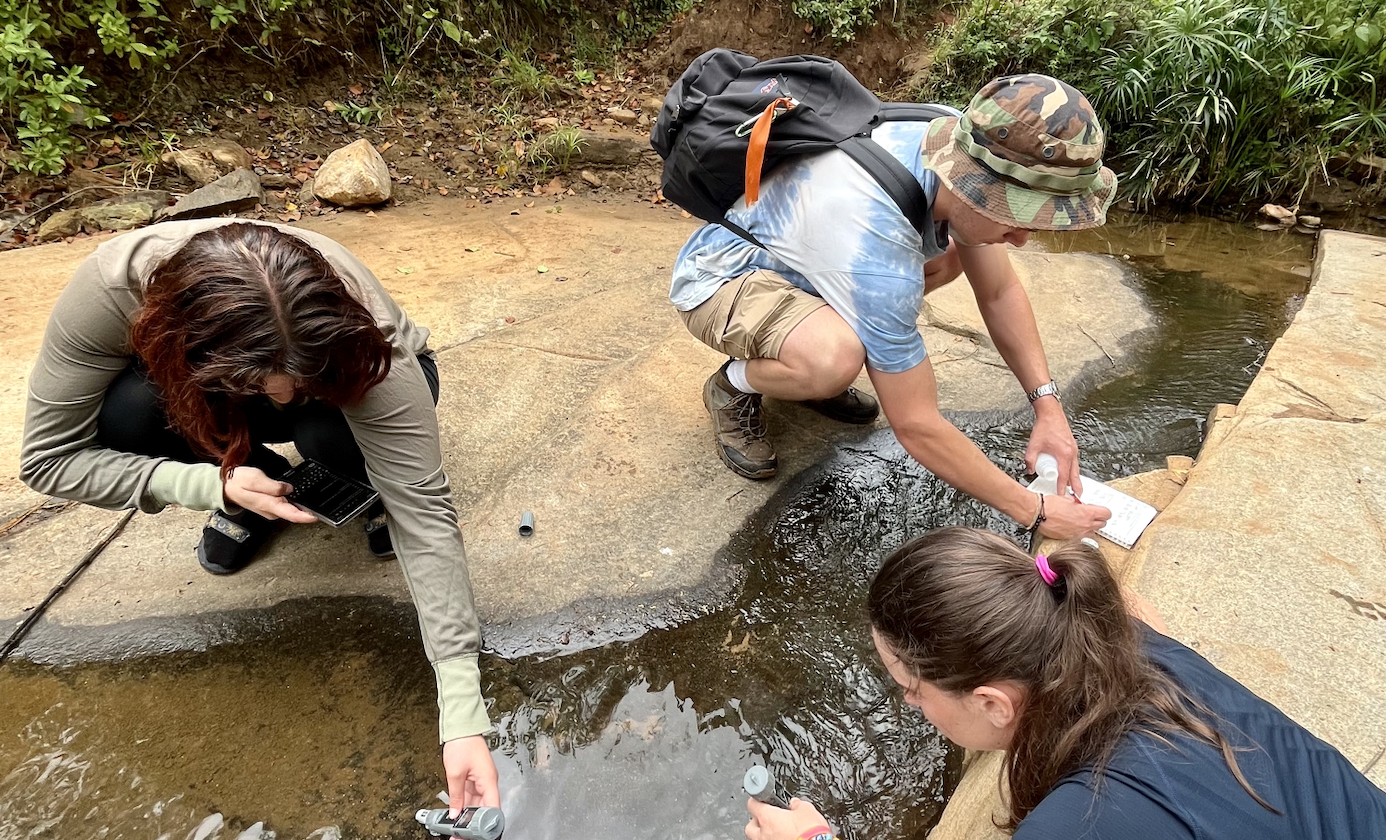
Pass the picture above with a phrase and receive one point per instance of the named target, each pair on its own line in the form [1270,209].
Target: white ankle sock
[736,372]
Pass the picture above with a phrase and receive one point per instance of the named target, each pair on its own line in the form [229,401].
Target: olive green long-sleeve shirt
[87,344]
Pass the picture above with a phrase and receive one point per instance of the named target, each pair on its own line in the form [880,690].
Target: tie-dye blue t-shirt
[835,233]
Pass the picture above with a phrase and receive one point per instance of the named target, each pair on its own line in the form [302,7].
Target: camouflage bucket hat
[1027,153]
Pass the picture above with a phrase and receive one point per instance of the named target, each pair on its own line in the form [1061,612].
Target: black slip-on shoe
[231,540]
[850,406]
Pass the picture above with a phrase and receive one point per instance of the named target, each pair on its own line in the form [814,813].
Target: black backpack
[729,118]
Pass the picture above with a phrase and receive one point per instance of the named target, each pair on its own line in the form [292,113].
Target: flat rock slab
[1272,560]
[574,392]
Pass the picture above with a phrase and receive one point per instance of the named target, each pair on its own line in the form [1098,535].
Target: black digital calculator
[330,496]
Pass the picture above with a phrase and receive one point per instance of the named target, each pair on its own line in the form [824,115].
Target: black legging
[132,419]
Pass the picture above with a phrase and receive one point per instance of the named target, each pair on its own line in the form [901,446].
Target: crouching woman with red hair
[177,352]
[1110,729]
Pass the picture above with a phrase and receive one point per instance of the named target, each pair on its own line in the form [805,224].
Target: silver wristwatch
[1048,389]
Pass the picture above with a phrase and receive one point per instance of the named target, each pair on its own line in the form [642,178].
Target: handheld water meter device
[760,785]
[475,823]
[330,496]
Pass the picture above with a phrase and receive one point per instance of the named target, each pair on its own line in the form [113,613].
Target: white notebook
[1129,516]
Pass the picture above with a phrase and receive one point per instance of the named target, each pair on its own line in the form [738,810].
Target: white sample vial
[1046,475]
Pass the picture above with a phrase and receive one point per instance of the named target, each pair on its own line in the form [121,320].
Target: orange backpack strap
[755,153]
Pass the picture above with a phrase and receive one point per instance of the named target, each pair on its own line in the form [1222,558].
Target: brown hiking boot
[738,425]
[850,406]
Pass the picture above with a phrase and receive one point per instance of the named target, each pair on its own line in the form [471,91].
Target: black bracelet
[1033,531]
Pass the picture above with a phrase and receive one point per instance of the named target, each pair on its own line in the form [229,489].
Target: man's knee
[842,364]
[824,352]
[832,360]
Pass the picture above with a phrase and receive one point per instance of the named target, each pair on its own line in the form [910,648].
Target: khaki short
[751,316]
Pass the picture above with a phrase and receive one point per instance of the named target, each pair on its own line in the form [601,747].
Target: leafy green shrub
[840,20]
[1203,99]
[45,92]
[518,76]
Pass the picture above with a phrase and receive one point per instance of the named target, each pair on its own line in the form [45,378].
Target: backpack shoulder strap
[740,231]
[894,177]
[914,112]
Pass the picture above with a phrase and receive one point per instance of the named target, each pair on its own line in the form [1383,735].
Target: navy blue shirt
[1154,792]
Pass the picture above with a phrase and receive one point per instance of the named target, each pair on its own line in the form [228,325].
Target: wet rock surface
[574,393]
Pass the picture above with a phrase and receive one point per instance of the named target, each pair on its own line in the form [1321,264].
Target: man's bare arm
[910,402]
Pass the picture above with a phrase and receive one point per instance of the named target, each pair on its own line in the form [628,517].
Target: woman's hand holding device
[771,823]
[250,488]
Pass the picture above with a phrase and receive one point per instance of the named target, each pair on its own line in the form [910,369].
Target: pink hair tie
[1050,576]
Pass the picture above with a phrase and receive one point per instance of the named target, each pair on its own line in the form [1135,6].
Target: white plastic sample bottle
[1046,475]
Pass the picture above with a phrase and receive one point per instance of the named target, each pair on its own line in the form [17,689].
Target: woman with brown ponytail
[177,352]
[1111,730]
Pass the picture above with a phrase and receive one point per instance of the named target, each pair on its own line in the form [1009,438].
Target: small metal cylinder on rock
[527,523]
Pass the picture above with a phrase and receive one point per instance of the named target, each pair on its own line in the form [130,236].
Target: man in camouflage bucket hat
[1027,154]
[841,279]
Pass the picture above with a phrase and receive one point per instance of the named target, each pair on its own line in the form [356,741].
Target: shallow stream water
[326,717]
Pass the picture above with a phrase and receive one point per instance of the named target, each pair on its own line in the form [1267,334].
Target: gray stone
[124,212]
[61,224]
[228,194]
[590,177]
[1281,215]
[209,160]
[210,826]
[610,148]
[117,216]
[278,181]
[353,176]
[228,154]
[624,116]
[256,831]
[305,194]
